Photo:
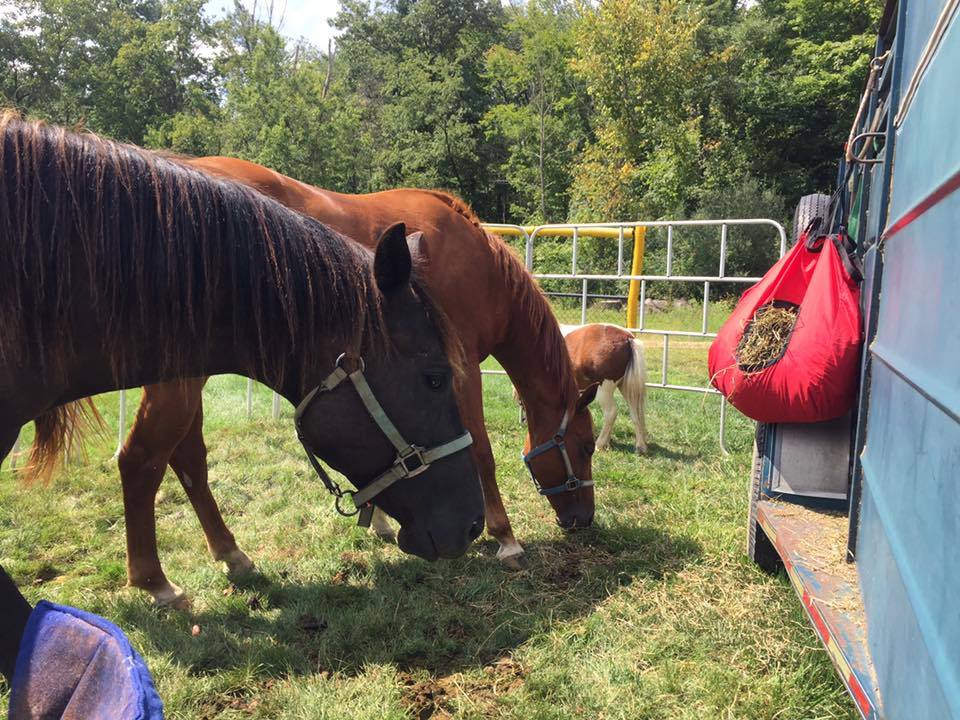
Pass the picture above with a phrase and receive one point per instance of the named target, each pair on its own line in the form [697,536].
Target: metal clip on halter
[411,460]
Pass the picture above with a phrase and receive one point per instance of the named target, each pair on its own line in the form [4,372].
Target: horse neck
[529,356]
[93,371]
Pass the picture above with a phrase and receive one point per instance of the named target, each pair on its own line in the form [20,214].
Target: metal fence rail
[620,231]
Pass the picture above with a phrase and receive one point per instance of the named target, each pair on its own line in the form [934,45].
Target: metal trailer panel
[928,144]
[921,16]
[910,516]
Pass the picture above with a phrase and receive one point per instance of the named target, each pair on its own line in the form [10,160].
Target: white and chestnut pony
[613,357]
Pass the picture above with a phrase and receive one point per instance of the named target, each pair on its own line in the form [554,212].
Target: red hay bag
[816,377]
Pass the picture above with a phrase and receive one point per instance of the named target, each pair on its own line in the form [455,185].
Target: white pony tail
[633,387]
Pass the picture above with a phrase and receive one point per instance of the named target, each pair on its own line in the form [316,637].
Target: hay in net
[766,336]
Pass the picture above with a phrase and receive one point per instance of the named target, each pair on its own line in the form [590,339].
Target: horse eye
[589,448]
[434,381]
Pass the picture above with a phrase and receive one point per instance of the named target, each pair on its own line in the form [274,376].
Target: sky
[301,18]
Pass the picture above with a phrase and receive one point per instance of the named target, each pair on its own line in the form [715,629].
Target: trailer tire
[759,547]
[812,206]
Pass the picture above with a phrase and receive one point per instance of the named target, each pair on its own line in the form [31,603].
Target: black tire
[759,547]
[809,208]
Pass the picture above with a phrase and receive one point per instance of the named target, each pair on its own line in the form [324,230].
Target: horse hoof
[513,558]
[641,449]
[237,563]
[603,446]
[172,597]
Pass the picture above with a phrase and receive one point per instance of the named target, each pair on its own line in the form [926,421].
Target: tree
[800,67]
[640,63]
[539,115]
[119,68]
[416,70]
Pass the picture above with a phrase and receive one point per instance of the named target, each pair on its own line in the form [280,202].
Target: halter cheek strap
[411,459]
[559,443]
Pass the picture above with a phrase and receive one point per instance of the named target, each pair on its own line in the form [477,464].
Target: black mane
[153,246]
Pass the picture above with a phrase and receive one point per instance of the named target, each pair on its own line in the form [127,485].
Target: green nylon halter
[411,459]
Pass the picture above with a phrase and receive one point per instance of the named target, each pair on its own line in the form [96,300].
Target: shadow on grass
[441,618]
[653,451]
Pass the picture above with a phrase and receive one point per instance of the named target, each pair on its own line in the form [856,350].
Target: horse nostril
[476,528]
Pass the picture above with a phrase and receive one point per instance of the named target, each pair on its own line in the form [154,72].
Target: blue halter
[557,442]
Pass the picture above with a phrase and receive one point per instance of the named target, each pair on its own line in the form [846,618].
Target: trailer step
[812,545]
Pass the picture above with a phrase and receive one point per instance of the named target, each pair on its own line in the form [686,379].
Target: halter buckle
[412,461]
[573,483]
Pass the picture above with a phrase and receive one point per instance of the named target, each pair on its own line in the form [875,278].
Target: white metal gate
[607,232]
[581,279]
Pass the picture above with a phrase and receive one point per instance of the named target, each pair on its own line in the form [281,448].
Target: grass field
[656,613]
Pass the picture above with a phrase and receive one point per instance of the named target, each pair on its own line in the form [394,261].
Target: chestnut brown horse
[496,308]
[613,357]
[120,268]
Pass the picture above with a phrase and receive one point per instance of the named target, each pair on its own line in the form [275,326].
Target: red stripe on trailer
[948,186]
[856,689]
[817,618]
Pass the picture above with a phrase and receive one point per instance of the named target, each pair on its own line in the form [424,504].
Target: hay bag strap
[812,374]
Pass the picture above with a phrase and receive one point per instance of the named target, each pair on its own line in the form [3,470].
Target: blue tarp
[76,665]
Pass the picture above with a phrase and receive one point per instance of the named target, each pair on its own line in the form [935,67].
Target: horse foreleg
[510,553]
[189,462]
[608,403]
[14,613]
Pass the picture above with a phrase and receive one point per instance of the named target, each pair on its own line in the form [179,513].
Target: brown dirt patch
[439,697]
[354,566]
[567,565]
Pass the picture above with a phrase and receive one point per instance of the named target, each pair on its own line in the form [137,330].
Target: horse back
[599,352]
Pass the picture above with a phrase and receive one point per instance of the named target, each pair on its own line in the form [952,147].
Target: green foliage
[543,110]
[119,68]
[639,61]
[538,115]
[415,71]
[801,66]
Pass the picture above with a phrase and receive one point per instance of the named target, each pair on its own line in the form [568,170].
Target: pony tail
[633,385]
[58,431]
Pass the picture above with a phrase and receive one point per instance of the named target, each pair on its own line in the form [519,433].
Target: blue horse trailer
[863,512]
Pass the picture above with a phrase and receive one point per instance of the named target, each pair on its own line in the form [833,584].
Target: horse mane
[150,249]
[528,298]
[156,245]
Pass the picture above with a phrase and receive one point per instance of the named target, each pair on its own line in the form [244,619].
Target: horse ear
[587,396]
[391,262]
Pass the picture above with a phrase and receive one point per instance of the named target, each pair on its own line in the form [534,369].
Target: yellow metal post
[636,268]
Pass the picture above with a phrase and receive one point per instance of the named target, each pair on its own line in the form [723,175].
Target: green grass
[656,613]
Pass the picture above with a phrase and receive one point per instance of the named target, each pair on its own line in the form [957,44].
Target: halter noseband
[411,459]
[557,441]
